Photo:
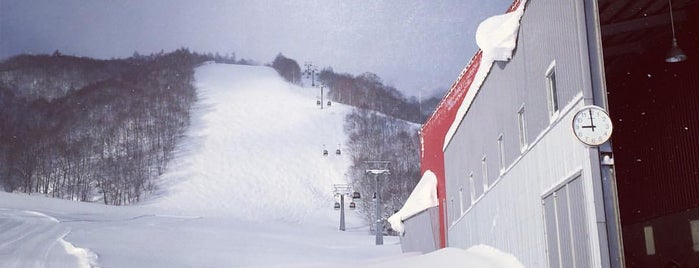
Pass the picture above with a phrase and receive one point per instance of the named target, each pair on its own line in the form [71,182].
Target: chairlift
[337,205]
[352,205]
[356,195]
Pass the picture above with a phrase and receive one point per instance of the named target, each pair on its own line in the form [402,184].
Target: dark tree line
[289,69]
[86,129]
[374,136]
[368,91]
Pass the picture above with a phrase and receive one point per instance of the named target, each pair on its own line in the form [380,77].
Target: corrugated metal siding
[566,232]
[580,232]
[552,248]
[419,235]
[656,140]
[509,215]
[433,133]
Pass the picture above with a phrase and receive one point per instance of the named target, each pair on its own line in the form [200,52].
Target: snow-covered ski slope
[249,187]
[254,149]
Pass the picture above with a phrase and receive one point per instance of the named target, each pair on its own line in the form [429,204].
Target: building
[510,171]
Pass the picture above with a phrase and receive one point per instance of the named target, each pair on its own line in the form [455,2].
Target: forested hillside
[377,137]
[103,130]
[79,128]
[368,91]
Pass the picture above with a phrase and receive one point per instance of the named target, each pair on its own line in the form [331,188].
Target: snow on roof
[424,196]
[497,38]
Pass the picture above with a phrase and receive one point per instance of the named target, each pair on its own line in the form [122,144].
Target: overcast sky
[416,46]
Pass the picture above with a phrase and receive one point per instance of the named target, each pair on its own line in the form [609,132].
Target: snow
[497,38]
[254,150]
[248,187]
[424,196]
[480,256]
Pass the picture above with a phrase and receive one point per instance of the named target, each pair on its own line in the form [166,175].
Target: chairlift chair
[337,205]
[318,102]
[356,195]
[352,205]
[329,103]
[325,152]
[338,152]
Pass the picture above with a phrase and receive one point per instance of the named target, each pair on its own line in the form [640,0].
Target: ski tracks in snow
[33,239]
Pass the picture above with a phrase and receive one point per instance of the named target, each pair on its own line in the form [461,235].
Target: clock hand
[592,123]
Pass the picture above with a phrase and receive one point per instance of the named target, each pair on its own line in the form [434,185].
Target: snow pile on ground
[254,150]
[480,256]
[424,196]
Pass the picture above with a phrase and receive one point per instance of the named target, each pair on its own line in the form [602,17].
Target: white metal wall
[507,212]
[510,215]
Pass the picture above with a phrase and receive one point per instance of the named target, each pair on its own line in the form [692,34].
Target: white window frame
[552,91]
[501,153]
[650,240]
[694,227]
[472,188]
[484,172]
[522,126]
[461,199]
[453,215]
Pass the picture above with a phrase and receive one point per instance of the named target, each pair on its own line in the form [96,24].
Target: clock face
[592,125]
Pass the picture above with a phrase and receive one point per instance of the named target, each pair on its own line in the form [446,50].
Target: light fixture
[675,54]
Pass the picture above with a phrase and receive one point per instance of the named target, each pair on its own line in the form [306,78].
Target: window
[461,199]
[484,171]
[452,210]
[522,129]
[650,240]
[551,90]
[501,153]
[473,188]
[694,225]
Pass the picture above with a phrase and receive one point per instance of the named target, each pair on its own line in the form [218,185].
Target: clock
[592,125]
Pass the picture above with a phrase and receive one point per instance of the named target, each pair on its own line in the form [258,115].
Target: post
[342,212]
[377,168]
[379,228]
[321,96]
[310,71]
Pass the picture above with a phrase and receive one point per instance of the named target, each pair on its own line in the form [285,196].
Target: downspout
[601,158]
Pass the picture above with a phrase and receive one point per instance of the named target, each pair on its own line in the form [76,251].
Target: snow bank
[480,256]
[424,196]
[85,257]
[497,38]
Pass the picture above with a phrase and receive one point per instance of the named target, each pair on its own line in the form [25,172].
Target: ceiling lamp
[675,54]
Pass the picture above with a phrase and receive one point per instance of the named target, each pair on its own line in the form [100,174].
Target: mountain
[254,149]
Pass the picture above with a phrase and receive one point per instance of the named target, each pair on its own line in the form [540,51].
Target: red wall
[435,130]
